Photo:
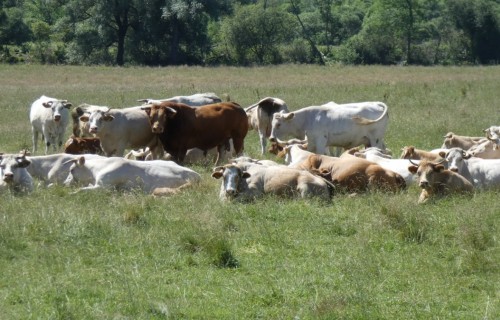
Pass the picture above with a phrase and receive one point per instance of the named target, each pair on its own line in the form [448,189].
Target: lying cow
[352,174]
[485,150]
[258,180]
[180,127]
[50,117]
[343,125]
[77,145]
[410,152]
[54,168]
[119,129]
[13,173]
[119,173]
[493,134]
[435,180]
[194,100]
[482,173]
[260,117]
[452,140]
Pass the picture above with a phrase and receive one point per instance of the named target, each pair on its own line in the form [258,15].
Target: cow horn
[413,163]
[442,160]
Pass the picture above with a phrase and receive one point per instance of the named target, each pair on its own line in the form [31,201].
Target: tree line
[249,32]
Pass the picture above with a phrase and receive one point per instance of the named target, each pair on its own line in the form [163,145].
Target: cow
[50,117]
[80,128]
[295,154]
[13,173]
[378,156]
[119,129]
[248,160]
[278,146]
[343,125]
[180,127]
[77,145]
[435,180]
[52,169]
[452,140]
[352,174]
[260,117]
[120,173]
[410,152]
[493,134]
[257,180]
[195,100]
[485,150]
[482,173]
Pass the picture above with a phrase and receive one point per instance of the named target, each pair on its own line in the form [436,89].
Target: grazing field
[112,255]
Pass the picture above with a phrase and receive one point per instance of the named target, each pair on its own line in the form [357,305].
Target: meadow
[125,255]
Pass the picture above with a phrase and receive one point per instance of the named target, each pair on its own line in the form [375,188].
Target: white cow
[13,173]
[493,134]
[295,154]
[399,166]
[54,168]
[50,117]
[120,173]
[343,125]
[245,160]
[482,173]
[119,129]
[256,181]
[195,100]
[260,117]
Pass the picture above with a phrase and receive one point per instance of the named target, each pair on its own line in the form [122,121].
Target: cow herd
[331,149]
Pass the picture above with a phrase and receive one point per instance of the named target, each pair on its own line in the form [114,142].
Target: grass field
[111,255]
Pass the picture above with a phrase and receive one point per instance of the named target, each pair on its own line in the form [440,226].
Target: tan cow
[452,140]
[410,152]
[435,180]
[352,174]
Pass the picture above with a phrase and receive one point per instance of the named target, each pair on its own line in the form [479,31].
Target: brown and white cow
[77,145]
[181,127]
[352,174]
[435,180]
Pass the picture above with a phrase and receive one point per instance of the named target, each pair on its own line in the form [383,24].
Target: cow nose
[57,118]
[272,139]
[231,192]
[157,128]
[424,184]
[8,177]
[93,130]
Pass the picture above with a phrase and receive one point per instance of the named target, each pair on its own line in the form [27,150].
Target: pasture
[112,255]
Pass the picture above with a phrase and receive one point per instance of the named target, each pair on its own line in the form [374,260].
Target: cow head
[232,177]
[9,166]
[493,134]
[427,172]
[158,115]
[455,158]
[78,172]
[96,119]
[407,152]
[57,106]
[280,126]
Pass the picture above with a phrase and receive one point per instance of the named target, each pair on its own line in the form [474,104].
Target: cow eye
[278,125]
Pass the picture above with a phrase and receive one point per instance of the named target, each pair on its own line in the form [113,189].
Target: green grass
[104,254]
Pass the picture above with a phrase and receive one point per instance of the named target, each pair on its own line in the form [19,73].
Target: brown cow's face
[427,173]
[158,116]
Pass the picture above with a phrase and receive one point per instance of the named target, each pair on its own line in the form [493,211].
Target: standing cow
[119,129]
[181,127]
[343,125]
[50,117]
[260,117]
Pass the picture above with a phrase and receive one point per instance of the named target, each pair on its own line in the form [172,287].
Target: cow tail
[361,120]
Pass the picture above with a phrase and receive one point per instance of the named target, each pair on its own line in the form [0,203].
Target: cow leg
[238,145]
[34,139]
[263,141]
[220,153]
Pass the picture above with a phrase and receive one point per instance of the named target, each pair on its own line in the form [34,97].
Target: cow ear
[438,168]
[442,154]
[170,112]
[81,161]
[289,116]
[84,118]
[147,109]
[47,104]
[22,162]
[108,117]
[245,175]
[413,169]
[217,174]
[67,105]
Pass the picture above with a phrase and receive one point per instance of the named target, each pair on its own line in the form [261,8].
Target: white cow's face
[455,158]
[232,177]
[57,107]
[281,126]
[96,120]
[79,174]
[10,166]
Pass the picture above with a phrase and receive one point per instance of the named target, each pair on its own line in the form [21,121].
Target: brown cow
[354,174]
[181,127]
[77,145]
[434,180]
[452,140]
[410,152]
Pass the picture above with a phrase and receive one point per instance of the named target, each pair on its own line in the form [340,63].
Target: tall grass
[105,254]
